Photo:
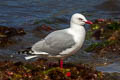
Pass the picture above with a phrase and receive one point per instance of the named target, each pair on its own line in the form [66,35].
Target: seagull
[61,43]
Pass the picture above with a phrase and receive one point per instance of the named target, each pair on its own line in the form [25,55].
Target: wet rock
[44,27]
[10,31]
[43,30]
[6,34]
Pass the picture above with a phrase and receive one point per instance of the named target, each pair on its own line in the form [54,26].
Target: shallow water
[115,67]
[20,13]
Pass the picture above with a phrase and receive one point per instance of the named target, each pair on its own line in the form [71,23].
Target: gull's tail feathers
[29,54]
[27,51]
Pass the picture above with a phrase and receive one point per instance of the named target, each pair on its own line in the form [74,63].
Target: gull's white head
[79,19]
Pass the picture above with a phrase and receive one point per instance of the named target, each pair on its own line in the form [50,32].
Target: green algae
[39,70]
[106,34]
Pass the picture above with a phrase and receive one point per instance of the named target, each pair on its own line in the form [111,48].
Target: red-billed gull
[61,43]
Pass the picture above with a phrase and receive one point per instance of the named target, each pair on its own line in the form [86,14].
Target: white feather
[30,57]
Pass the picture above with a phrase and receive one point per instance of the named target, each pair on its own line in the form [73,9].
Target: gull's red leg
[61,63]
[68,74]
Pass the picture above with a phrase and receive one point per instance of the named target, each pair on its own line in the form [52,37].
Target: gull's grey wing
[55,43]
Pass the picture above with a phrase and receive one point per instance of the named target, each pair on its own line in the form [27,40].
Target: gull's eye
[80,19]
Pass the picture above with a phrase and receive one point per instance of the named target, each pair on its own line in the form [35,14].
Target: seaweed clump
[106,33]
[43,30]
[6,34]
[40,70]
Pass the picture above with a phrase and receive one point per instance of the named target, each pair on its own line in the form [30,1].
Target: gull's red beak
[88,22]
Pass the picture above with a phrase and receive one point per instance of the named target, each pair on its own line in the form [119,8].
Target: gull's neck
[78,32]
[76,27]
